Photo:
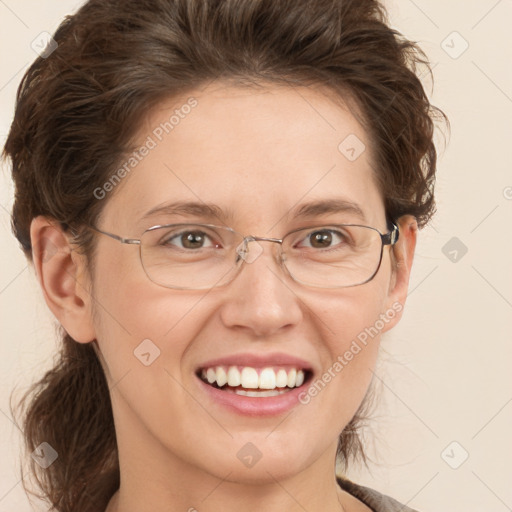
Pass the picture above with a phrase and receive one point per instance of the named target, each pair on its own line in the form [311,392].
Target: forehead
[254,152]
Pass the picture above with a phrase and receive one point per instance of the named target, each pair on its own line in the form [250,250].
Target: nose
[262,298]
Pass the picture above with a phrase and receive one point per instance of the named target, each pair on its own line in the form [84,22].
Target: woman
[221,201]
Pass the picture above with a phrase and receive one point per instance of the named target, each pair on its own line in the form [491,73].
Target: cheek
[349,326]
[136,317]
[351,315]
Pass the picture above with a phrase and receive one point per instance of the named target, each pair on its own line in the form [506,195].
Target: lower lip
[255,406]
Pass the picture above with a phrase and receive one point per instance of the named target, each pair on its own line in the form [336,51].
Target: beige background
[446,367]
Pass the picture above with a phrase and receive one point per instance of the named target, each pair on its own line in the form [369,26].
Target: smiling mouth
[254,382]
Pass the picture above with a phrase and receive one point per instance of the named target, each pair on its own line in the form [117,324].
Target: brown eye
[188,240]
[325,238]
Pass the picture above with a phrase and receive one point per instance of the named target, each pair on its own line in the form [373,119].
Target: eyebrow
[322,207]
[211,210]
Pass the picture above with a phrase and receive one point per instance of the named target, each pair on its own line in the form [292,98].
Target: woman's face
[259,155]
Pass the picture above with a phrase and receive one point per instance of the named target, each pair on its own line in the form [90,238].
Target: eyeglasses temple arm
[118,238]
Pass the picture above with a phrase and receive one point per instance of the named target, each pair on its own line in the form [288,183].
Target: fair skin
[260,154]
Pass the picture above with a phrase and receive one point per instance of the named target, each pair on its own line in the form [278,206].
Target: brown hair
[79,107]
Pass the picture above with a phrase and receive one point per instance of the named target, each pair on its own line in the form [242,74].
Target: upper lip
[258,360]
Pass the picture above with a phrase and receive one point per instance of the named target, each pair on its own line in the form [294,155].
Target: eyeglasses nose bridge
[241,250]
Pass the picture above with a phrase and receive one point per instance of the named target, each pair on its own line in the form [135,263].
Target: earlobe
[403,255]
[58,272]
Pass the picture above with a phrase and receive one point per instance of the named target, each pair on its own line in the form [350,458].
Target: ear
[60,271]
[401,257]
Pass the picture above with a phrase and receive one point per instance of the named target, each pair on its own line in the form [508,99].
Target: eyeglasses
[203,256]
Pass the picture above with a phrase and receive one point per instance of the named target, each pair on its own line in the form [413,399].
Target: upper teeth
[250,379]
